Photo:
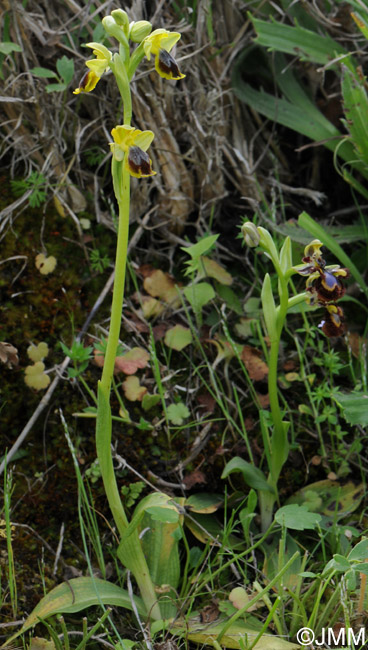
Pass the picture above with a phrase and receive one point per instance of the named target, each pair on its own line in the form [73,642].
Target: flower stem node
[160,43]
[250,234]
[134,143]
[139,30]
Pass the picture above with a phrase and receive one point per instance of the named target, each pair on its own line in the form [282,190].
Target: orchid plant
[323,288]
[129,146]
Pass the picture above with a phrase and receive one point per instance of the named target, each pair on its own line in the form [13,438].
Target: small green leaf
[177,413]
[198,295]
[360,551]
[338,563]
[8,47]
[65,68]
[200,248]
[164,515]
[362,568]
[55,88]
[354,407]
[297,517]
[178,337]
[149,401]
[253,476]
[44,73]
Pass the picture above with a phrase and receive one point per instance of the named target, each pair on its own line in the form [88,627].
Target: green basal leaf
[160,543]
[355,103]
[330,498]
[239,636]
[204,502]
[78,594]
[362,23]
[253,476]
[297,517]
[306,44]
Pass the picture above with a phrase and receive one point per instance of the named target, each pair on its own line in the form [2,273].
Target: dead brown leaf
[256,367]
[264,400]
[8,354]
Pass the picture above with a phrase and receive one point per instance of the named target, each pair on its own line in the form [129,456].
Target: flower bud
[139,30]
[121,18]
[115,30]
[250,234]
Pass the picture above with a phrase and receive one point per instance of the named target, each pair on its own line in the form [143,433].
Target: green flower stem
[130,550]
[279,443]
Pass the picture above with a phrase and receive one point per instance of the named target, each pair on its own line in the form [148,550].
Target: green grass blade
[356,111]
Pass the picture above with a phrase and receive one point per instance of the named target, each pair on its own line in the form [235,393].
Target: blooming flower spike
[96,67]
[129,140]
[159,43]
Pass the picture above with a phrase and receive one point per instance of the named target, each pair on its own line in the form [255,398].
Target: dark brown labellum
[168,65]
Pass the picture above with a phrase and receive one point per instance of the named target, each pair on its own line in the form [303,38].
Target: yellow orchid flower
[129,140]
[96,67]
[159,43]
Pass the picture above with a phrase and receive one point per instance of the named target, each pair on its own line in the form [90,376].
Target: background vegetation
[268,124]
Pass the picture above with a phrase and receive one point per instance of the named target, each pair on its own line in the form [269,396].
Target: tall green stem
[279,444]
[130,550]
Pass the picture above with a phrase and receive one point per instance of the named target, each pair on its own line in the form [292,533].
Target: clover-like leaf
[44,264]
[238,597]
[131,361]
[161,285]
[133,391]
[177,413]
[178,337]
[38,352]
[35,376]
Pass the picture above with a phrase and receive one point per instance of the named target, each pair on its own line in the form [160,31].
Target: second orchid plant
[323,288]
